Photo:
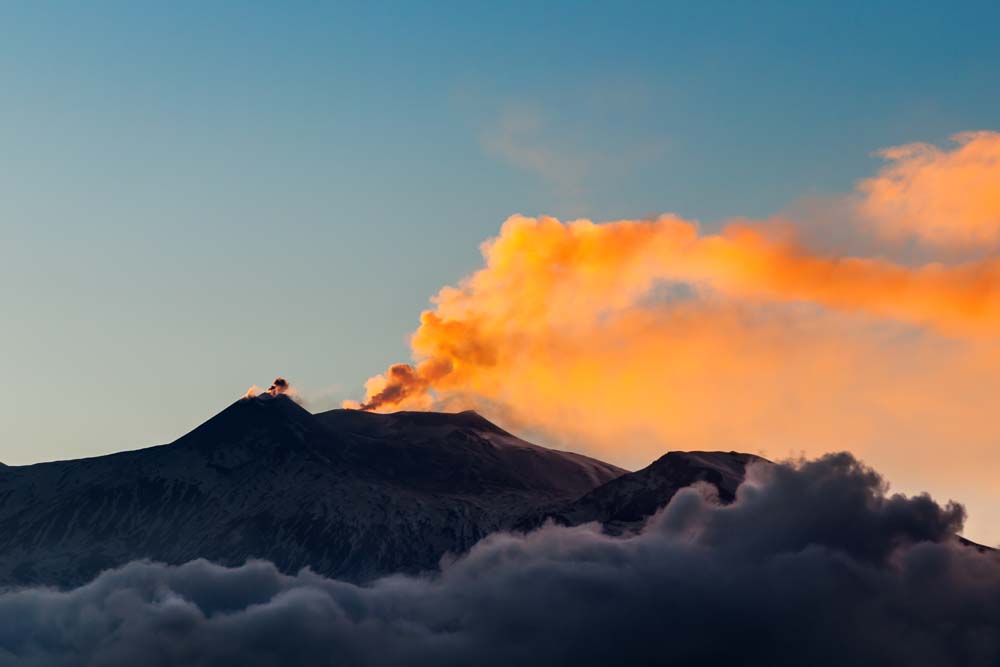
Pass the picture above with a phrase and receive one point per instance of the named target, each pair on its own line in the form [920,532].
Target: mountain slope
[353,495]
[350,494]
[627,501]
[462,453]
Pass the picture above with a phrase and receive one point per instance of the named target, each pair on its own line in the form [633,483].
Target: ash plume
[279,387]
[402,383]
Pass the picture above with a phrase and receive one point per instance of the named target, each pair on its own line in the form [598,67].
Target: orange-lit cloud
[949,199]
[631,337]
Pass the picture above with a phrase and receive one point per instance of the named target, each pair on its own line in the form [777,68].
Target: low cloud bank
[814,563]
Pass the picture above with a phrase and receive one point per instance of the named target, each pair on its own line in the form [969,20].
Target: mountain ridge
[265,478]
[350,494]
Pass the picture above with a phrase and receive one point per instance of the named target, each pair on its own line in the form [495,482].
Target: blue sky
[195,197]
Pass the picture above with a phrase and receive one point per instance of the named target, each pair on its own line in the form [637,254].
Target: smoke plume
[627,337]
[278,387]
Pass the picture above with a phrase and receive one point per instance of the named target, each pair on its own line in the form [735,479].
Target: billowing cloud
[943,198]
[812,564]
[628,337]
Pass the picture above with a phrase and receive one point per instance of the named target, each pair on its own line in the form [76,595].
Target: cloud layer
[812,564]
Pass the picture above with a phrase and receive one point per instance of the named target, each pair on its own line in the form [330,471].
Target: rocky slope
[625,502]
[350,494]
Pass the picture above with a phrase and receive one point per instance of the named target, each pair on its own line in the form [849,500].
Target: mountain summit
[349,494]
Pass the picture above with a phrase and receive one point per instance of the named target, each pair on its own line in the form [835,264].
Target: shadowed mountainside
[353,495]
[350,494]
[624,503]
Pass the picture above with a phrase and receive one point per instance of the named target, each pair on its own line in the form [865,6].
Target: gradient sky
[195,197]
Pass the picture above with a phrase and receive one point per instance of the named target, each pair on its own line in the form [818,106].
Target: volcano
[349,494]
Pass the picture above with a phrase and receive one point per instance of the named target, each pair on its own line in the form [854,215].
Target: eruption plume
[402,383]
[545,279]
[279,386]
[624,337]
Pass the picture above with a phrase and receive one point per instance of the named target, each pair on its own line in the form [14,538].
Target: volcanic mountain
[350,494]
[624,503]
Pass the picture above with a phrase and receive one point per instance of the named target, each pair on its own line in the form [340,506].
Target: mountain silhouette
[350,494]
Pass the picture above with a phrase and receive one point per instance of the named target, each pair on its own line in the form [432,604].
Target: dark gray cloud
[813,564]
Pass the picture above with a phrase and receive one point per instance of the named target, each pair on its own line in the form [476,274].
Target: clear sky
[197,196]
